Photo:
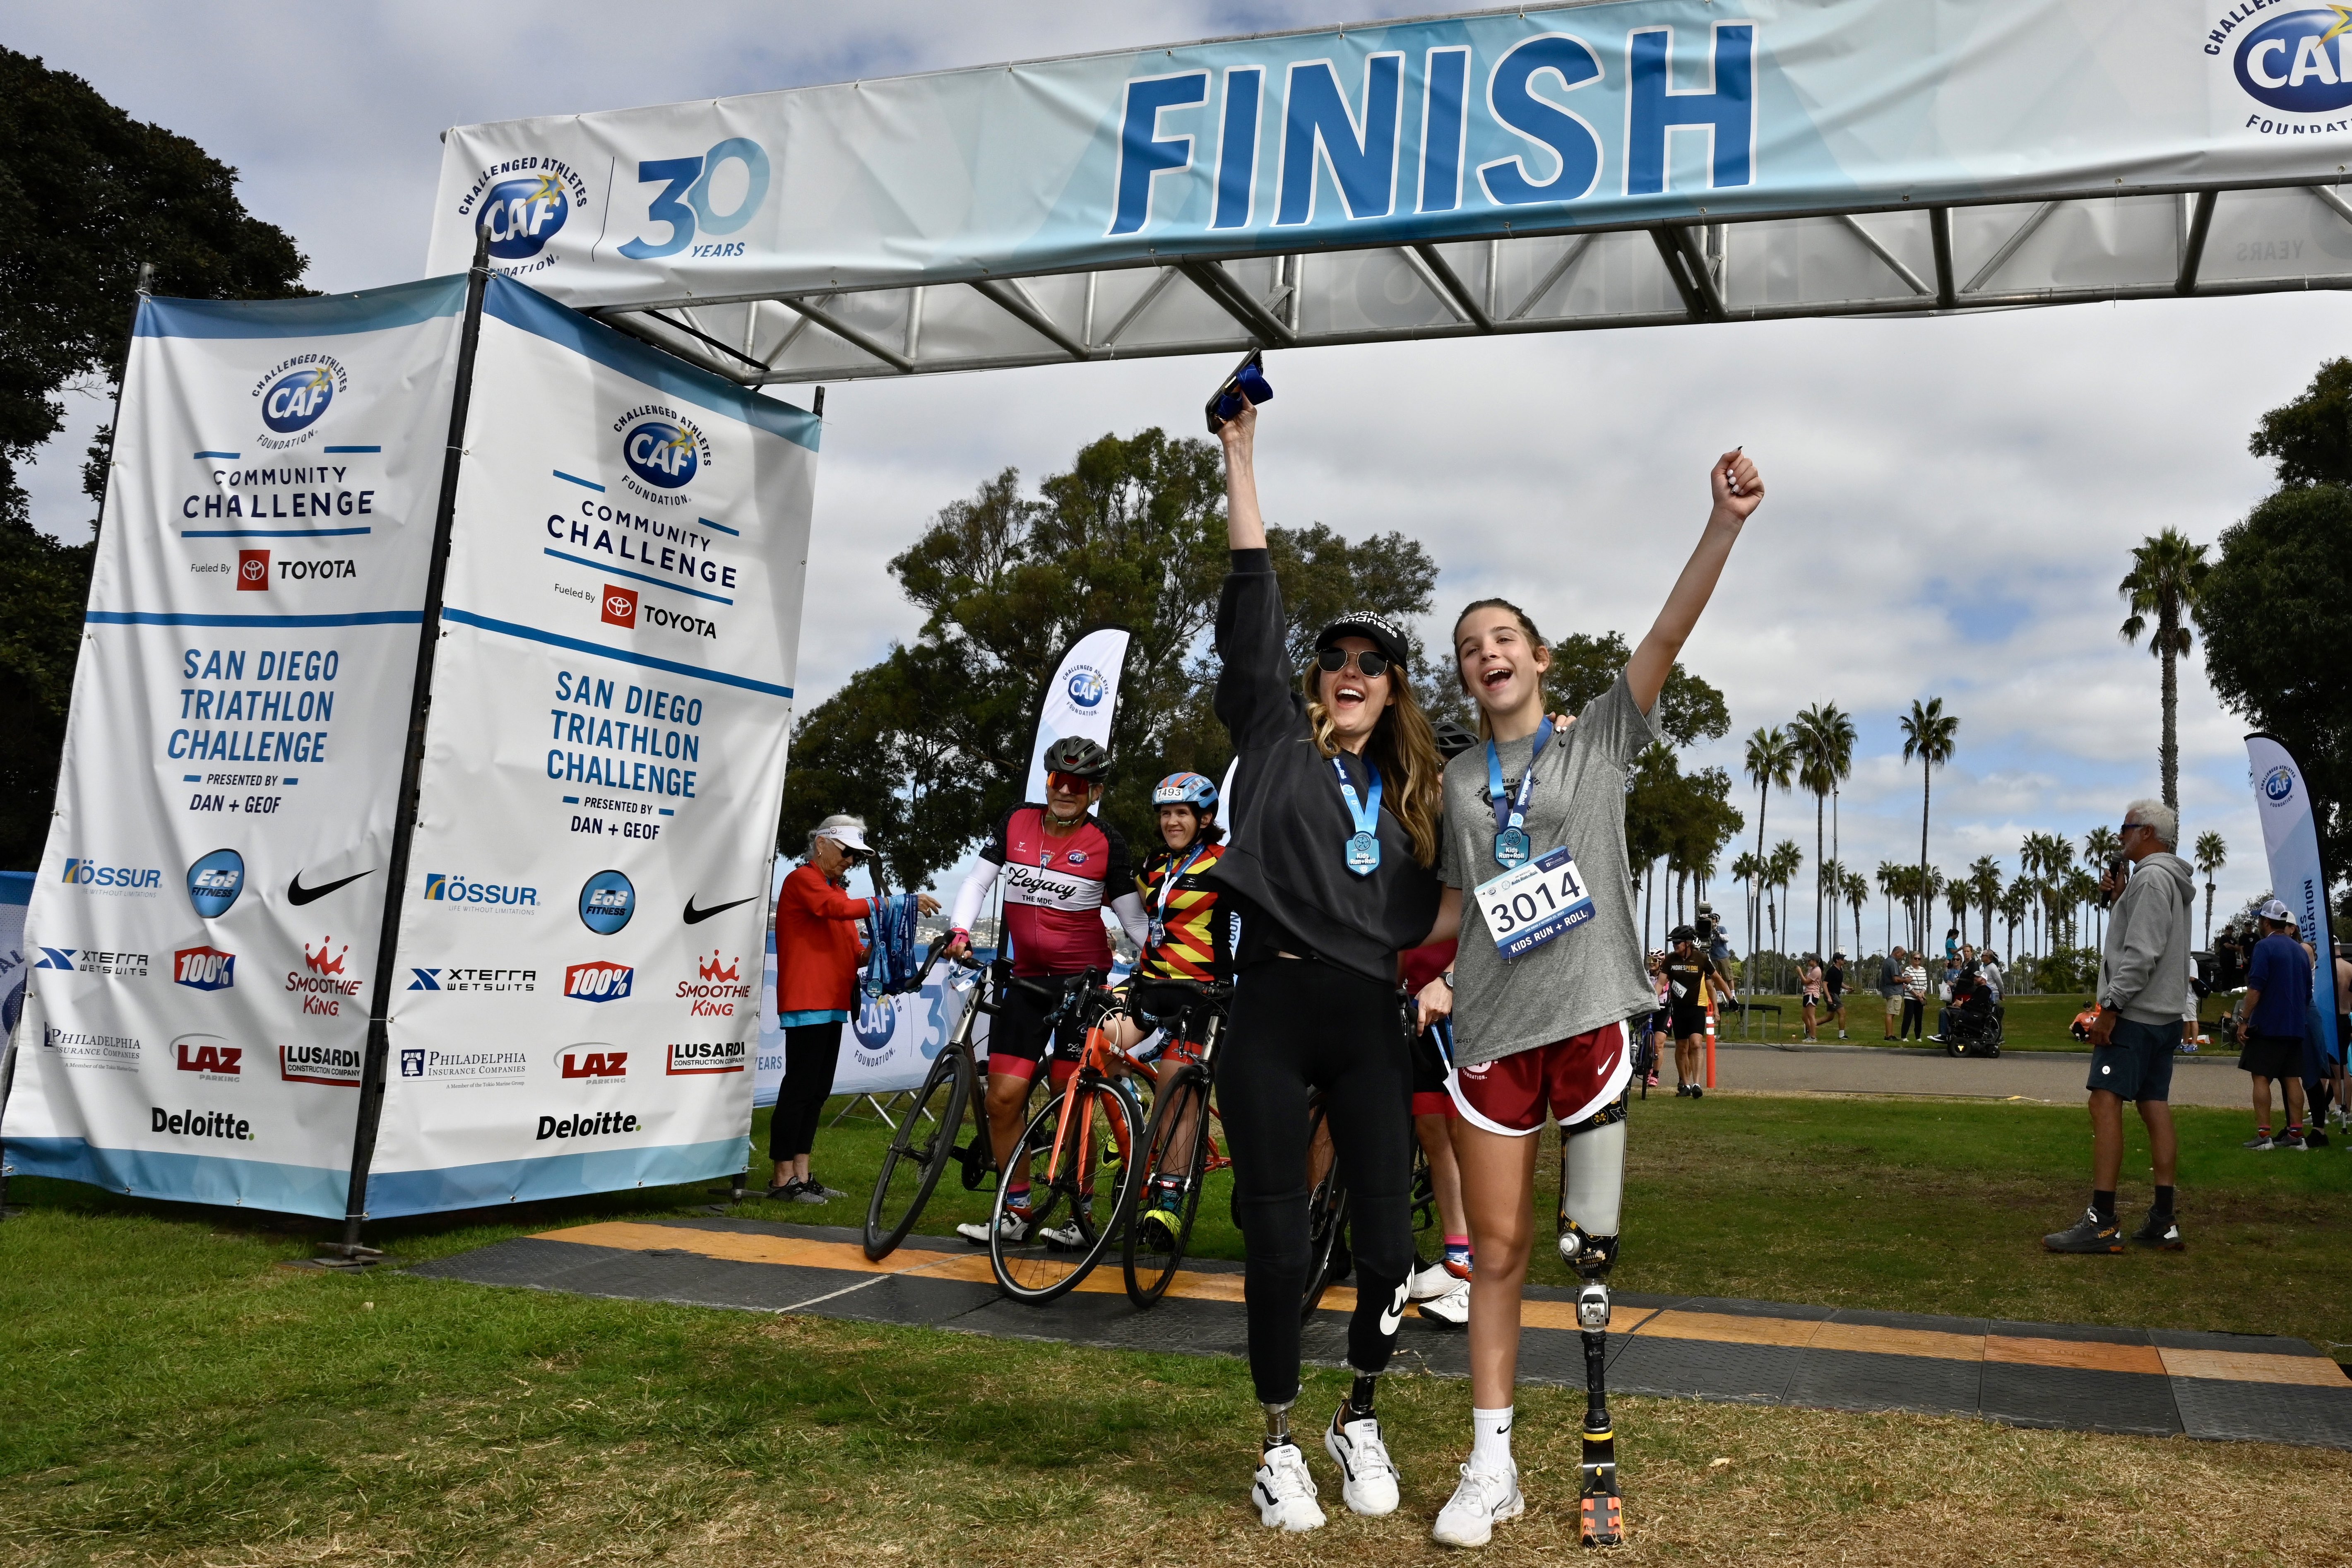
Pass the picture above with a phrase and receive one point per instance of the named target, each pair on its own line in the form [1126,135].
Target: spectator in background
[1989,970]
[1914,1000]
[817,950]
[2278,989]
[1834,987]
[2142,977]
[1890,985]
[2343,1034]
[1810,978]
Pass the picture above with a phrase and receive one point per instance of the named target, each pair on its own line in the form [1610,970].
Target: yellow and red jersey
[1192,936]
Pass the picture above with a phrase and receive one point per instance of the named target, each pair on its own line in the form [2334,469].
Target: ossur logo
[602,981]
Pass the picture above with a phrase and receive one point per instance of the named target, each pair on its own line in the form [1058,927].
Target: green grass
[172,1397]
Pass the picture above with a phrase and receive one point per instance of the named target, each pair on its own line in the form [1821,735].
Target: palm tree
[1927,732]
[2014,901]
[1824,741]
[1781,870]
[2167,579]
[1890,882]
[2101,848]
[1856,888]
[1955,895]
[1984,890]
[2212,856]
[1771,764]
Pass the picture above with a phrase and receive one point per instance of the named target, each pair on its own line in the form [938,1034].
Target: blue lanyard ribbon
[1364,849]
[1168,883]
[1517,817]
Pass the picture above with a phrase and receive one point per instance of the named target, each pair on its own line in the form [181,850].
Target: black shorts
[2272,1055]
[1024,1028]
[1687,1023]
[2138,1064]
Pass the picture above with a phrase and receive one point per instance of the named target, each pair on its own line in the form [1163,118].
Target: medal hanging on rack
[1511,844]
[1364,845]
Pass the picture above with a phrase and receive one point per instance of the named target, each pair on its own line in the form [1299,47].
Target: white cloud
[1951,500]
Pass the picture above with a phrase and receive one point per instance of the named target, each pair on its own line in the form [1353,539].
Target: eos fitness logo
[2278,784]
[693,192]
[295,393]
[663,450]
[214,882]
[2300,63]
[607,899]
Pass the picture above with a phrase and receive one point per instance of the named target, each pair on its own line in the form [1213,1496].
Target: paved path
[2151,1381]
[2056,1077]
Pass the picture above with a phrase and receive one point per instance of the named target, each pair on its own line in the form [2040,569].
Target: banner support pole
[404,825]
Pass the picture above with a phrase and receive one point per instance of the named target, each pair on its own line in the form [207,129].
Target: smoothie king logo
[663,450]
[2298,64]
[294,395]
[524,203]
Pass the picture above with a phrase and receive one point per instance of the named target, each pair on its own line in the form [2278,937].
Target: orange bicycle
[1085,1138]
[1178,1150]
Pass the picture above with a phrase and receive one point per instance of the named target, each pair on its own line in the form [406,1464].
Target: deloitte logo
[294,395]
[523,215]
[663,450]
[2300,63]
[2277,785]
[1087,686]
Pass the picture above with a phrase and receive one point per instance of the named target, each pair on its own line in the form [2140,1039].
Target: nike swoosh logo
[694,917]
[1392,1316]
[298,895]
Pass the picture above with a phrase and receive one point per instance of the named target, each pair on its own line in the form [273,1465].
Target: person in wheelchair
[1974,1016]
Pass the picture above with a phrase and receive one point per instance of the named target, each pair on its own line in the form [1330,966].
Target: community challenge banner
[209,906]
[2291,837]
[1538,120]
[580,933]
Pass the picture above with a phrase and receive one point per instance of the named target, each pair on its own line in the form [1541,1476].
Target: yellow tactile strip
[1671,1323]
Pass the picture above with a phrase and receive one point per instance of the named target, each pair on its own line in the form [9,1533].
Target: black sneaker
[1697,1093]
[1682,1091]
[2089,1234]
[2316,1139]
[2294,1140]
[2161,1231]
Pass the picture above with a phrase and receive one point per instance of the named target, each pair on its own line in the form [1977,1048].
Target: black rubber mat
[2213,1396]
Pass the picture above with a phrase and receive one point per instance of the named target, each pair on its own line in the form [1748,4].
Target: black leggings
[810,1053]
[1914,1019]
[1298,1025]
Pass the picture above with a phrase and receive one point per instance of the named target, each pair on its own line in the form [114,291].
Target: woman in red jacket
[817,953]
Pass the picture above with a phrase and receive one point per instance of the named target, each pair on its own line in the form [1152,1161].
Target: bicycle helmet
[1076,754]
[1683,934]
[1186,789]
[1452,739]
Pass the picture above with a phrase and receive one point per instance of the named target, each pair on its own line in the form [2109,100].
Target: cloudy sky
[1951,502]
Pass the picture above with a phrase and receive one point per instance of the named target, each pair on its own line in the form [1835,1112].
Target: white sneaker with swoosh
[1482,1502]
[1368,1480]
[1285,1492]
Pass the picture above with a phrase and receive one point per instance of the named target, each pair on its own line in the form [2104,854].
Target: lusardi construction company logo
[294,395]
[663,450]
[524,203]
[2297,66]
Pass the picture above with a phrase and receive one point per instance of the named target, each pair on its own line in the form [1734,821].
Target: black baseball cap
[1381,631]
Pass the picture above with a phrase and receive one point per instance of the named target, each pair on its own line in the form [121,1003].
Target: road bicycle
[925,1141]
[1328,1258]
[1081,1150]
[1179,1149]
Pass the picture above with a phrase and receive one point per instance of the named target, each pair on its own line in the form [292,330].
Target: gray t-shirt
[1592,975]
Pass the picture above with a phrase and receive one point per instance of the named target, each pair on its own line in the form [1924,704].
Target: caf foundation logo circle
[2300,63]
[663,451]
[607,899]
[214,882]
[1087,686]
[294,395]
[2277,785]
[524,204]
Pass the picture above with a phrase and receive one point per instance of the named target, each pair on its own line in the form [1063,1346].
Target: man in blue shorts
[2143,987]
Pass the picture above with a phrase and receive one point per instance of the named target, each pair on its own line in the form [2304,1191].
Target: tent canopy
[1603,164]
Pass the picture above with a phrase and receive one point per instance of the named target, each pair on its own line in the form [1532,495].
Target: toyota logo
[618,605]
[254,571]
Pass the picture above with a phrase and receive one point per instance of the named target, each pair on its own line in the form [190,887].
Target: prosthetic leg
[1591,1190]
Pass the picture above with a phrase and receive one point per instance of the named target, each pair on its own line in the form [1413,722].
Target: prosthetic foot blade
[1603,1516]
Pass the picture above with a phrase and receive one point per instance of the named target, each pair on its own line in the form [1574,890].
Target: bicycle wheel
[1079,1178]
[1150,1253]
[1326,1220]
[919,1154]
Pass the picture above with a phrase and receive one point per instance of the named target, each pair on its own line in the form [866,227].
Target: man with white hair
[2143,982]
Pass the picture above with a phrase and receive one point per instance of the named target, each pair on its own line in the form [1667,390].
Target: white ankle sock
[1490,1441]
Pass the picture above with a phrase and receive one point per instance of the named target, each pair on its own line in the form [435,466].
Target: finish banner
[2291,838]
[209,904]
[580,939]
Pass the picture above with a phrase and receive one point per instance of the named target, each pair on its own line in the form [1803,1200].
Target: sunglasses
[1331,660]
[1069,784]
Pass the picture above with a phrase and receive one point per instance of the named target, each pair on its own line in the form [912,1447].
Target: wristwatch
[1448,978]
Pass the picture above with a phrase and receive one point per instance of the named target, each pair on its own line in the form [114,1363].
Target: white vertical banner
[2291,839]
[1080,698]
[580,945]
[206,916]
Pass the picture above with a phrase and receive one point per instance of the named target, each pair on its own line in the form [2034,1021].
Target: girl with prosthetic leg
[1333,830]
[1548,970]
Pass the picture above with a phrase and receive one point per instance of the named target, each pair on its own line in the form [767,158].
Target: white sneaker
[1285,1492]
[1452,1308]
[1478,1504]
[1064,1238]
[1367,1480]
[1430,1283]
[976,1231]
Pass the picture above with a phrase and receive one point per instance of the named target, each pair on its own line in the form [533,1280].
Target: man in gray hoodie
[2143,990]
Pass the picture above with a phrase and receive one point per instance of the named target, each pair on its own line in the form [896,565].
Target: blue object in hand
[1248,382]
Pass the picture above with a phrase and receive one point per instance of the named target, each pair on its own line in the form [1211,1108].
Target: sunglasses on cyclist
[1069,784]
[1331,660]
